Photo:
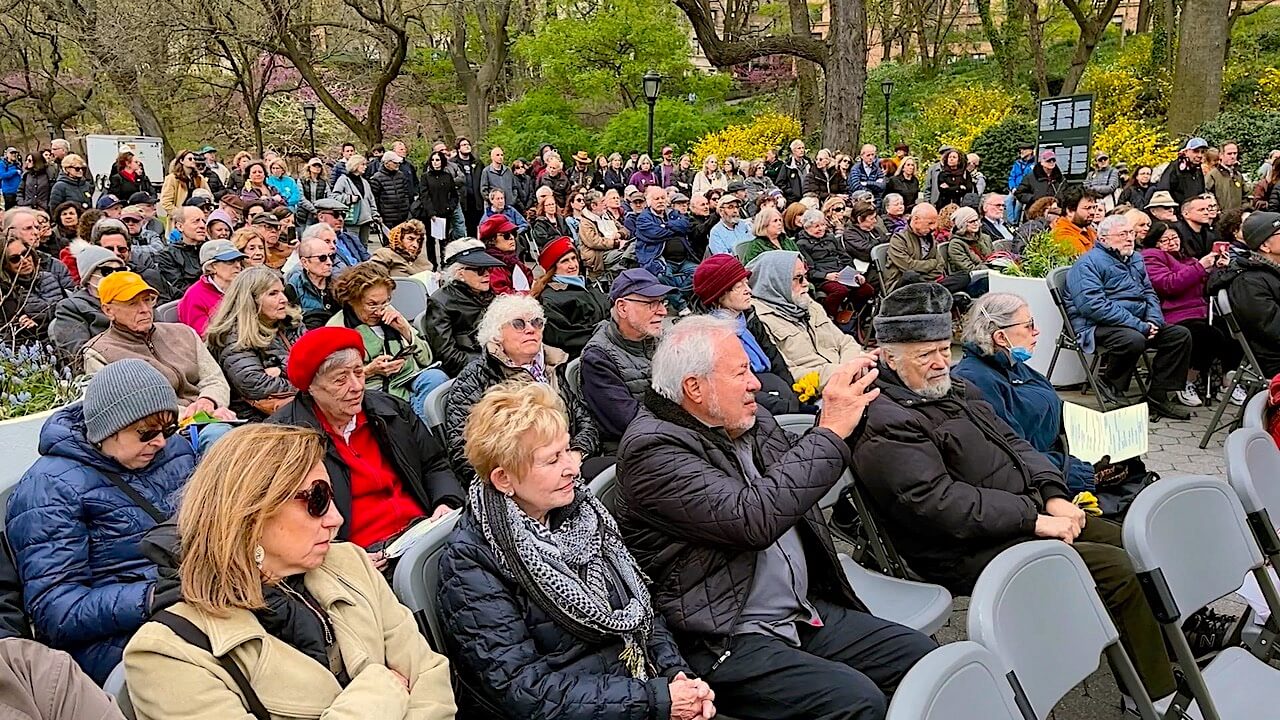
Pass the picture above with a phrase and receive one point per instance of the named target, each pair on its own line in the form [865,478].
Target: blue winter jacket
[504,645]
[1026,400]
[1106,289]
[288,189]
[10,177]
[75,540]
[350,249]
[652,235]
[871,179]
[1018,171]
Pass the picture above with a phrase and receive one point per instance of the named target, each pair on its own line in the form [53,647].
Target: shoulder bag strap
[187,630]
[136,497]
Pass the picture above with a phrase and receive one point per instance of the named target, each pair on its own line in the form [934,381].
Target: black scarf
[288,619]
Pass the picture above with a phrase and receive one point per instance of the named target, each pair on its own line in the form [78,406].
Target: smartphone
[1221,247]
[404,352]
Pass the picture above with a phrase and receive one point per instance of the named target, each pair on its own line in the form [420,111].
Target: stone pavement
[1173,449]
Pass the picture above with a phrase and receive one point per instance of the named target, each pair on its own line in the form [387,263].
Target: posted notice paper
[1120,434]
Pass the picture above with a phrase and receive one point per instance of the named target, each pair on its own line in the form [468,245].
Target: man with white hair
[953,485]
[794,173]
[866,174]
[310,283]
[1115,311]
[723,503]
[179,263]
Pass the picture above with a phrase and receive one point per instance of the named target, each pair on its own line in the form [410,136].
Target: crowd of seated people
[243,471]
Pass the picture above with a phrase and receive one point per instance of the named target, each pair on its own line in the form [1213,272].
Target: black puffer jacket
[449,325]
[1253,287]
[79,317]
[246,370]
[825,182]
[34,189]
[179,265]
[572,314]
[36,297]
[394,196]
[67,189]
[952,483]
[505,644]
[827,254]
[697,526]
[486,371]
[416,456]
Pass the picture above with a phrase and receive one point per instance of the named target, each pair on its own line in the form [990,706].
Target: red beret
[716,276]
[493,225]
[554,250]
[314,347]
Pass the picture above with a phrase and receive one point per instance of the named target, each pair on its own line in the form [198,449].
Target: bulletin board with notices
[1066,127]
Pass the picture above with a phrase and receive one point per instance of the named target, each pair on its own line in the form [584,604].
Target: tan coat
[170,679]
[817,347]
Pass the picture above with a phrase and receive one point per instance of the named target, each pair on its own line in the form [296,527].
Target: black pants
[11,200]
[844,670]
[1124,347]
[1209,343]
[775,395]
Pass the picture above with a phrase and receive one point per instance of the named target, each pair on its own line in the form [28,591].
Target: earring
[511,492]
[258,556]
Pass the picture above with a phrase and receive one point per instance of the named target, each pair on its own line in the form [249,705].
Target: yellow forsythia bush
[1269,89]
[1134,142]
[1115,93]
[748,142]
[958,117]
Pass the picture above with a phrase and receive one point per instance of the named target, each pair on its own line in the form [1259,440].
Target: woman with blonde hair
[905,182]
[709,176]
[546,611]
[250,336]
[302,624]
[182,180]
[768,228]
[249,241]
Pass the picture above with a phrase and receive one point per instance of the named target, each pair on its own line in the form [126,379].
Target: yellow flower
[806,387]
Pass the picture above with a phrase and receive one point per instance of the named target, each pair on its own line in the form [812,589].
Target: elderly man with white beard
[722,503]
[954,485]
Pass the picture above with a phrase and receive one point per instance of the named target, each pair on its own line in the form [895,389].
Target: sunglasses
[800,279]
[107,270]
[19,257]
[318,498]
[839,208]
[479,270]
[75,167]
[331,257]
[519,324]
[150,434]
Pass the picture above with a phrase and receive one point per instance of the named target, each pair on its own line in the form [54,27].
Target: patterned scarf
[569,569]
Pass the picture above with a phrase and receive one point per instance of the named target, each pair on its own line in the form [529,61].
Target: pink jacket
[198,304]
[1179,282]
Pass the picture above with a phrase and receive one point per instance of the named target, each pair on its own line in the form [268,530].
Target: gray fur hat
[919,312]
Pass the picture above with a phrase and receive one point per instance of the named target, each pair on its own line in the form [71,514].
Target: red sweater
[380,507]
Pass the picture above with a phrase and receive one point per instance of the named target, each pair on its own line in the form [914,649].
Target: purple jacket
[1180,284]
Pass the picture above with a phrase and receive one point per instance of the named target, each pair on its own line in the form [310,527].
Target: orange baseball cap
[122,287]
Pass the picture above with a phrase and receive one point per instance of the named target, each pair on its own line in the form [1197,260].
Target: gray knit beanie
[123,393]
[90,258]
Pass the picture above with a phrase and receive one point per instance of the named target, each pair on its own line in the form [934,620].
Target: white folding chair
[1037,608]
[605,487]
[1253,470]
[1191,545]
[434,405]
[1248,375]
[958,681]
[167,312]
[1255,411]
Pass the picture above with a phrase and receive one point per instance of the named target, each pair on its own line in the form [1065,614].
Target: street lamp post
[886,87]
[309,112]
[49,126]
[652,86]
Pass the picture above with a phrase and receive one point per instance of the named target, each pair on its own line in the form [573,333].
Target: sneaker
[1188,396]
[1209,632]
[1239,395]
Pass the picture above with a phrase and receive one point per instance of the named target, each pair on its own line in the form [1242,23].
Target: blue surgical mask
[1020,353]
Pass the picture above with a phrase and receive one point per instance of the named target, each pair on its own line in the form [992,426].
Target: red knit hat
[716,276]
[314,347]
[554,250]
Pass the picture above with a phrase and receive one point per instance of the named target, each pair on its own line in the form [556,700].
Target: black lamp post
[652,86]
[886,87]
[309,112]
[49,126]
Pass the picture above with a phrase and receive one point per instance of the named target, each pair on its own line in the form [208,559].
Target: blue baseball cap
[106,202]
[637,281]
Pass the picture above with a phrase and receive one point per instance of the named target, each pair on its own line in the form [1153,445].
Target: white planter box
[19,446]
[1035,291]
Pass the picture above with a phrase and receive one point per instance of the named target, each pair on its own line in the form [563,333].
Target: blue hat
[106,202]
[637,281]
[1196,143]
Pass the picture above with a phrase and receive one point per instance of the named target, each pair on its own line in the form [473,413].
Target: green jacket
[389,342]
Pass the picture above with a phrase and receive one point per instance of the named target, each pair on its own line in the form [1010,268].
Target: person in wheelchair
[953,485]
[546,611]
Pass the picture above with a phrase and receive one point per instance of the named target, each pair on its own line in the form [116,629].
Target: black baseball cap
[473,257]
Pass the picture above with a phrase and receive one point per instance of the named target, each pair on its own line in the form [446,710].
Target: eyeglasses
[318,498]
[150,434]
[1050,161]
[19,257]
[651,304]
[638,201]
[331,257]
[519,324]
[1030,325]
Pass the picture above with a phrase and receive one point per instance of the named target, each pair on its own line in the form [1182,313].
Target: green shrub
[675,122]
[33,380]
[1041,255]
[998,147]
[1257,131]
[959,116]
[540,117]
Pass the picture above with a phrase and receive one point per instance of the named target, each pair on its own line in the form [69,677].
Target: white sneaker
[1188,396]
[1239,395]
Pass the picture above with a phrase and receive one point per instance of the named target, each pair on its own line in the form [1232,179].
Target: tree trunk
[808,107]
[1144,16]
[846,75]
[442,119]
[1092,22]
[1197,80]
[1035,39]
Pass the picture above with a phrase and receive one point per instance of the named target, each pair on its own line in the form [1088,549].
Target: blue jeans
[426,381]
[1011,209]
[679,276]
[458,224]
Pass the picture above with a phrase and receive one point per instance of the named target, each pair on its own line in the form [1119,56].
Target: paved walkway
[1173,449]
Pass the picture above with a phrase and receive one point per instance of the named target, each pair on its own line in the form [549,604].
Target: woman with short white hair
[454,311]
[510,337]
